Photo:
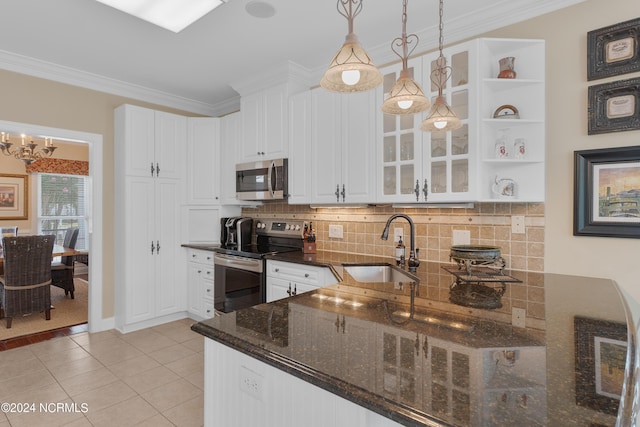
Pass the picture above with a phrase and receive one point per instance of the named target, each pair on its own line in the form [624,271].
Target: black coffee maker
[235,232]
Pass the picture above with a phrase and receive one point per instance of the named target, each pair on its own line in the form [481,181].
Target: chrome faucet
[413,262]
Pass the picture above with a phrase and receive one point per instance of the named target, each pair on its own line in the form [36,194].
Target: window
[63,203]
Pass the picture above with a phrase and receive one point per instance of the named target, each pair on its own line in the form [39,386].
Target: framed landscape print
[14,197]
[601,354]
[613,50]
[607,192]
[614,106]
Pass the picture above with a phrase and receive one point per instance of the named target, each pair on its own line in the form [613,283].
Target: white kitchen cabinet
[416,166]
[149,274]
[300,148]
[230,141]
[343,154]
[203,153]
[264,130]
[285,279]
[156,142]
[200,276]
[526,93]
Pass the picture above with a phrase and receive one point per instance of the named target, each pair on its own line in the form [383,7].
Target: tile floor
[153,377]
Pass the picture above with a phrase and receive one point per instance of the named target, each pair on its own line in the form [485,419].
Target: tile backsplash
[487,223]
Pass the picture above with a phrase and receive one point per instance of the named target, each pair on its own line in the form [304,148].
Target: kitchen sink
[377,273]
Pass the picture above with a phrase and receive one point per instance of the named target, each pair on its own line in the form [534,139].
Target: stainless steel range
[240,279]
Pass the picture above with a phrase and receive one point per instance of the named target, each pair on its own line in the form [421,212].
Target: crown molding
[50,71]
[288,72]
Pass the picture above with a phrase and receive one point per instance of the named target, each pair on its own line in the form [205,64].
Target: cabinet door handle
[277,270]
[337,193]
[153,248]
[199,271]
[425,189]
[153,170]
[158,247]
[343,193]
[417,190]
[295,289]
[157,169]
[289,290]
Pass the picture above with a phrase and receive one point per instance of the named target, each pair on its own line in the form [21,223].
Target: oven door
[238,282]
[265,180]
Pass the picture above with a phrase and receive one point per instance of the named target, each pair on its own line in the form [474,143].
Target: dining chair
[62,272]
[25,285]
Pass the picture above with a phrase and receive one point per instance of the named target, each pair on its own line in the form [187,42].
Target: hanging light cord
[400,45]
[441,74]
[348,12]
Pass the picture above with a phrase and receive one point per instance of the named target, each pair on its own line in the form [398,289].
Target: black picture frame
[613,50]
[614,107]
[600,360]
[607,193]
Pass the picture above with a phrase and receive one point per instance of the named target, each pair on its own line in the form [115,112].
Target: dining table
[58,250]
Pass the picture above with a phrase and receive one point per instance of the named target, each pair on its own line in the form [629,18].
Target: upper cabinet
[512,120]
[203,151]
[264,133]
[342,147]
[157,142]
[230,137]
[417,166]
[497,154]
[300,157]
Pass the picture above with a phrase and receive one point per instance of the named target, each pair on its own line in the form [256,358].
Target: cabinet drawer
[209,312]
[196,255]
[298,273]
[208,289]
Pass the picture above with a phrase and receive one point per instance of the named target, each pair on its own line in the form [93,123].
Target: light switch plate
[517,224]
[518,316]
[335,231]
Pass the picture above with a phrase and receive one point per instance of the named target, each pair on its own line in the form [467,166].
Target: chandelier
[351,69]
[27,152]
[441,117]
[406,96]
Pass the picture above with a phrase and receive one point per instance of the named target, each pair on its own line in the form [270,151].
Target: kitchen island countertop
[403,351]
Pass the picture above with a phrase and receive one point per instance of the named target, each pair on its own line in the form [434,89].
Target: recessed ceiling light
[260,9]
[173,15]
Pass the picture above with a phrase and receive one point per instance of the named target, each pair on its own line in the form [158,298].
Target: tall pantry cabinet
[149,166]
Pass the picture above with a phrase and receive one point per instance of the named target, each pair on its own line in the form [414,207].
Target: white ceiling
[88,44]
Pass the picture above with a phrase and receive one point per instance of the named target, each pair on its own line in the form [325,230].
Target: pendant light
[351,69]
[441,117]
[406,96]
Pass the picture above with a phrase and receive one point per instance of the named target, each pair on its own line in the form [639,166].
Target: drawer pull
[306,274]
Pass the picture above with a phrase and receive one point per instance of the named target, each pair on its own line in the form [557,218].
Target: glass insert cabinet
[462,165]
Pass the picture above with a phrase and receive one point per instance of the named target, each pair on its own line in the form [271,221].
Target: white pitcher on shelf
[504,188]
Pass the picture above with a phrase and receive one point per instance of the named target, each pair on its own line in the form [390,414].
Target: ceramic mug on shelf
[519,148]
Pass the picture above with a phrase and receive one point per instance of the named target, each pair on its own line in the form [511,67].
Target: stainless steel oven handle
[237,262]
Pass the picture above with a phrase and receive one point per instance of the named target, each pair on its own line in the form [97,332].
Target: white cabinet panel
[300,148]
[203,150]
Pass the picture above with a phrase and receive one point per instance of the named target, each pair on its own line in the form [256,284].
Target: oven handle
[240,264]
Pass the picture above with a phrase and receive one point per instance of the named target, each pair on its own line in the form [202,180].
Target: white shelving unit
[526,93]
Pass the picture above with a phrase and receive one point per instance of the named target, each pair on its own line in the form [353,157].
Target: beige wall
[45,103]
[566,34]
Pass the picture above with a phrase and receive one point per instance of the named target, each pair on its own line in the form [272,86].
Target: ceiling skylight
[173,15]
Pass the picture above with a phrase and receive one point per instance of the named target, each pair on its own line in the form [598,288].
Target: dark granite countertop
[403,350]
[202,246]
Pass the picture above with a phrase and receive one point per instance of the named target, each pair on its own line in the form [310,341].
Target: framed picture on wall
[601,353]
[607,192]
[14,197]
[613,50]
[614,106]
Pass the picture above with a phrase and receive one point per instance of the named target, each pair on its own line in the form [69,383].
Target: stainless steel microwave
[262,180]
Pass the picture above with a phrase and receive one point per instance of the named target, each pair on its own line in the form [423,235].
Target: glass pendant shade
[351,69]
[406,97]
[441,117]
